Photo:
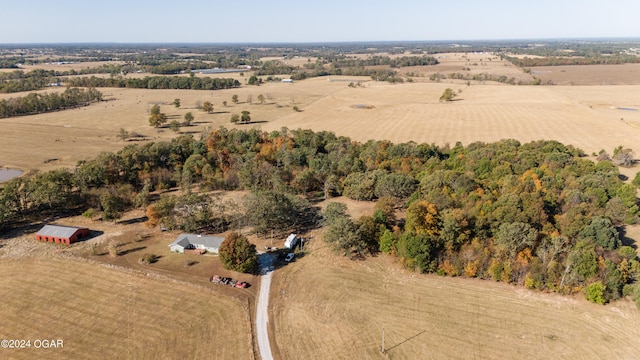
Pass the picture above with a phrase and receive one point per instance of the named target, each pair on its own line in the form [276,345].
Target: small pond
[8,174]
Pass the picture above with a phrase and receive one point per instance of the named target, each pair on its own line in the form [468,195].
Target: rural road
[262,311]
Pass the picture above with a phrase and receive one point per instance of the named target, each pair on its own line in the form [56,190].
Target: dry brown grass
[104,313]
[586,117]
[623,74]
[431,317]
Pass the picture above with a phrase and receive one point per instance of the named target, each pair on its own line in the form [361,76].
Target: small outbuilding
[193,243]
[60,234]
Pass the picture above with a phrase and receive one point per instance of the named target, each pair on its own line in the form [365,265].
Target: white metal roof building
[193,241]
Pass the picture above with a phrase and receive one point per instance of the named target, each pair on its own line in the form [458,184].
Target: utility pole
[382,349]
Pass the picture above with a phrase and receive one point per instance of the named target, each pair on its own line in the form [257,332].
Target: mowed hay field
[431,317]
[586,117]
[102,313]
[618,74]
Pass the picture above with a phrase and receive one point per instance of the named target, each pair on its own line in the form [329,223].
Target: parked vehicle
[289,257]
[291,241]
[216,279]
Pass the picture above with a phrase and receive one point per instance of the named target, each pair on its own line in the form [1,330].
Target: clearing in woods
[431,317]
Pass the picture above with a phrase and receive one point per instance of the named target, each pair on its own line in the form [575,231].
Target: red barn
[61,234]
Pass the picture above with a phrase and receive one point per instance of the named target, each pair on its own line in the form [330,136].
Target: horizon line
[449,41]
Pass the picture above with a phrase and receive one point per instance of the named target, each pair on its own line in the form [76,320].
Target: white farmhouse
[196,242]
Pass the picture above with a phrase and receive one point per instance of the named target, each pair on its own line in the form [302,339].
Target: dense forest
[535,214]
[36,103]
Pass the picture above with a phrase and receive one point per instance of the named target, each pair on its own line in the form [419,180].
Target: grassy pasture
[431,317]
[104,313]
[623,74]
[586,117]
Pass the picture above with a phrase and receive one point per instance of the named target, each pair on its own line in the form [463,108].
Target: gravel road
[262,317]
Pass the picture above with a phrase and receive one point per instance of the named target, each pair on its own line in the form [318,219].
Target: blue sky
[54,21]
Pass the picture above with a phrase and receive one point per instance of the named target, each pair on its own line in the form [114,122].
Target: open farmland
[623,74]
[431,317]
[101,312]
[586,117]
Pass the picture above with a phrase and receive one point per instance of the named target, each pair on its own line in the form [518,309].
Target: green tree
[246,117]
[111,204]
[513,237]
[235,118]
[234,99]
[447,95]
[207,106]
[582,262]
[396,186]
[334,211]
[174,125]
[595,293]
[238,254]
[269,210]
[254,80]
[636,180]
[188,119]
[388,242]
[602,233]
[176,103]
[341,233]
[418,251]
[157,118]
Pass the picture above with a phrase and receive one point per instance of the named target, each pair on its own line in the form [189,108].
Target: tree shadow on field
[133,221]
[127,251]
[190,132]
[405,340]
[252,122]
[627,241]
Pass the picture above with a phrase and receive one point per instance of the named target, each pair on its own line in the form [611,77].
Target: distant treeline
[158,82]
[375,74]
[17,81]
[404,61]
[340,65]
[35,103]
[572,60]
